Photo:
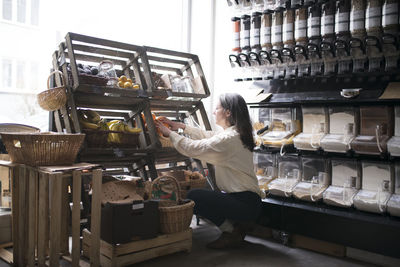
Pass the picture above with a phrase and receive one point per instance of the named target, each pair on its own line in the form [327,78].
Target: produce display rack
[139,63]
[110,102]
[350,227]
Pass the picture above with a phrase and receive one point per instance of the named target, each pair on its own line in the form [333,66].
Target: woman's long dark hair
[239,117]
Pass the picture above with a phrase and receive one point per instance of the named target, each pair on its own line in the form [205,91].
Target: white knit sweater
[233,162]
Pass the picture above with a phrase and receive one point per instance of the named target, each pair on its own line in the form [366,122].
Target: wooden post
[55,218]
[43,219]
[14,211]
[22,216]
[95,218]
[65,215]
[31,216]
[76,217]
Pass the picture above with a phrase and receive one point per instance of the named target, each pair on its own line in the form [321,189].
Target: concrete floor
[255,252]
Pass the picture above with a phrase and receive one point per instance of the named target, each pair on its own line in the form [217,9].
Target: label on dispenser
[287,32]
[266,35]
[328,25]
[373,17]
[390,14]
[357,19]
[300,29]
[314,26]
[342,22]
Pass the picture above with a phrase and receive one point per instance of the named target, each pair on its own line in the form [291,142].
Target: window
[34,75]
[20,82]
[35,12]
[6,73]
[7,9]
[21,11]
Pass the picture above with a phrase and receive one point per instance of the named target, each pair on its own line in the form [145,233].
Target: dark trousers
[217,207]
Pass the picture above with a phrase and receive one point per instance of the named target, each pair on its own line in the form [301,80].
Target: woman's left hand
[163,129]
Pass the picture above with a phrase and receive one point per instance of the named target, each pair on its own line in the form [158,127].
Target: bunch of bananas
[119,126]
[90,119]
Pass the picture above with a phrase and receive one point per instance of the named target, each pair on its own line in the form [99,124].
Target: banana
[93,116]
[131,130]
[112,122]
[103,125]
[88,125]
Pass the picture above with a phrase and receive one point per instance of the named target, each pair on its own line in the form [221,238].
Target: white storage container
[393,205]
[376,187]
[394,142]
[342,129]
[315,126]
[265,168]
[315,179]
[289,174]
[346,182]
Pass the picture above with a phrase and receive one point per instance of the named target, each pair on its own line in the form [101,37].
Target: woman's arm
[213,150]
[193,132]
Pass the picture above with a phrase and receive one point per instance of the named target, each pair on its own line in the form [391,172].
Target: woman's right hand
[174,126]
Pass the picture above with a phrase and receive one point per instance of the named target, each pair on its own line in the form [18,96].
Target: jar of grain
[328,21]
[390,17]
[265,35]
[342,19]
[373,18]
[245,33]
[288,27]
[255,31]
[300,26]
[314,24]
[277,20]
[357,19]
[236,34]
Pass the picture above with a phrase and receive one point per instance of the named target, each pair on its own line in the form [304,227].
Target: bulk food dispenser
[315,178]
[376,187]
[315,126]
[289,174]
[343,126]
[376,127]
[265,168]
[346,181]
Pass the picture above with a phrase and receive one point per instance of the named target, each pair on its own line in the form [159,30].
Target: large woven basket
[175,216]
[53,98]
[42,149]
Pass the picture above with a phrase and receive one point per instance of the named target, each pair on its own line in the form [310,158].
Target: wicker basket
[42,149]
[53,98]
[174,216]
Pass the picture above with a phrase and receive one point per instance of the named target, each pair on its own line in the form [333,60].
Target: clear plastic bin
[315,179]
[376,187]
[289,174]
[315,125]
[283,127]
[265,168]
[393,205]
[342,129]
[345,183]
[376,127]
[394,142]
[261,120]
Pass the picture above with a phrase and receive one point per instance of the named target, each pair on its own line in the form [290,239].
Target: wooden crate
[40,213]
[138,251]
[157,61]
[88,50]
